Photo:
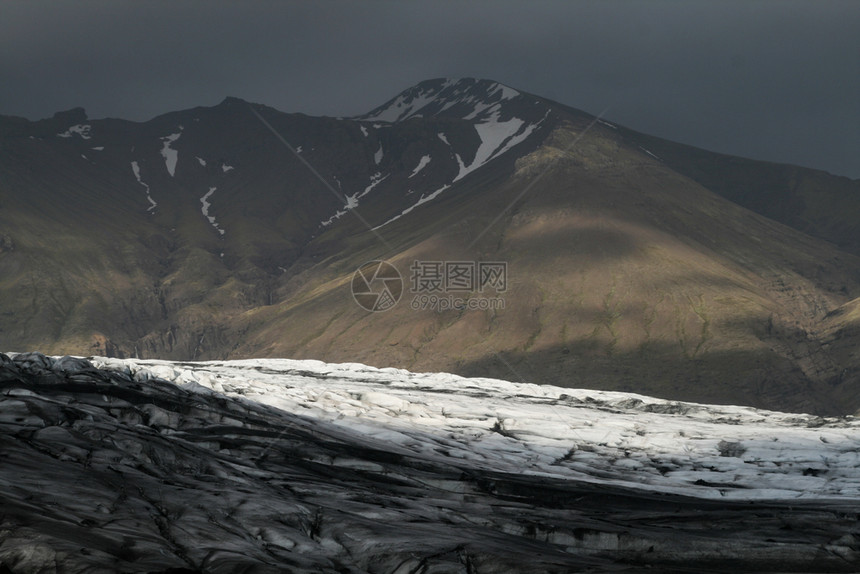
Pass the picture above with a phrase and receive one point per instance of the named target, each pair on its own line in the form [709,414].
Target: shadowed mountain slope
[811,201]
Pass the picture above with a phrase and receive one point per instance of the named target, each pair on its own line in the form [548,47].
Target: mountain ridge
[631,267]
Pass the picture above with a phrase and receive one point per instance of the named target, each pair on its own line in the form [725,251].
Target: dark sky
[775,80]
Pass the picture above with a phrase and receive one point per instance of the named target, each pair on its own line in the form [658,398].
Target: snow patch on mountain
[225,168]
[83,130]
[407,104]
[482,106]
[201,161]
[493,134]
[135,168]
[472,99]
[352,200]
[422,163]
[496,136]
[607,124]
[351,203]
[205,205]
[377,157]
[375,180]
[170,155]
[649,153]
[421,201]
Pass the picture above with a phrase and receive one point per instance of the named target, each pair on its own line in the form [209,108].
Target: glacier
[275,465]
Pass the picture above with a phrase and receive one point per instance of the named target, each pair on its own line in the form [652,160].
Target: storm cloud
[773,80]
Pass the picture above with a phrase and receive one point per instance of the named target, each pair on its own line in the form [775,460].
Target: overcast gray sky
[774,80]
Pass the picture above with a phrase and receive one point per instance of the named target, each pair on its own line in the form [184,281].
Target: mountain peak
[73,116]
[232,100]
[463,98]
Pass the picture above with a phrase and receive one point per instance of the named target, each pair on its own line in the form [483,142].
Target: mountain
[270,466]
[615,260]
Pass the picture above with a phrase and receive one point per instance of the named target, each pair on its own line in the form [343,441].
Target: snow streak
[205,205]
[136,169]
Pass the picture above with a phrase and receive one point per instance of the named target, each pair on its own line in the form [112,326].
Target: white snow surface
[375,180]
[481,104]
[352,200]
[496,136]
[170,155]
[649,153]
[406,105]
[422,200]
[205,205]
[351,203]
[136,169]
[410,103]
[82,130]
[607,124]
[634,441]
[422,163]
